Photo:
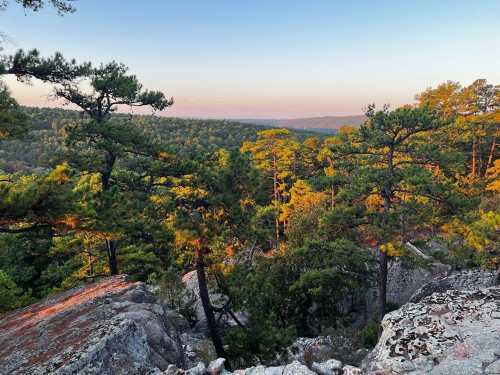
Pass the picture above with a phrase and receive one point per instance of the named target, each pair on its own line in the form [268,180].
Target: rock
[341,344]
[493,368]
[197,348]
[200,369]
[308,350]
[403,282]
[262,370]
[330,367]
[465,280]
[454,332]
[172,370]
[190,279]
[216,367]
[294,368]
[109,327]
[351,370]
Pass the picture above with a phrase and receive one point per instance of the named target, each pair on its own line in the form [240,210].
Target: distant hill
[321,124]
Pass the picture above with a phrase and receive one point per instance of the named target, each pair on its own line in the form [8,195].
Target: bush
[297,293]
[11,296]
[370,334]
[173,293]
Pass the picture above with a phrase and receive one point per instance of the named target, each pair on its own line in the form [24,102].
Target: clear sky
[271,58]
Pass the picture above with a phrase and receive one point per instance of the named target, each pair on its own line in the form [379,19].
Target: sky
[269,59]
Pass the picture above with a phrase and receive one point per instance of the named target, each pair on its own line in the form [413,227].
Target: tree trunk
[276,200]
[207,306]
[382,284]
[112,260]
[491,153]
[111,244]
[387,193]
[332,197]
[91,264]
[474,157]
[106,173]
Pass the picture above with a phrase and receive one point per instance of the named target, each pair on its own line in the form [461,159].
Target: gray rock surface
[190,280]
[464,280]
[403,282]
[308,350]
[329,367]
[109,327]
[294,368]
[455,332]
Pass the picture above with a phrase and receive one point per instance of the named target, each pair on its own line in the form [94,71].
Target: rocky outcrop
[110,327]
[330,367]
[455,332]
[464,280]
[403,281]
[190,280]
[322,349]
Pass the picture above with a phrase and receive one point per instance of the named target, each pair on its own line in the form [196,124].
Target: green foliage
[173,293]
[11,296]
[13,122]
[370,334]
[296,293]
[287,222]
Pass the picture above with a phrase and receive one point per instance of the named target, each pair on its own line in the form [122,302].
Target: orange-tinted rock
[110,327]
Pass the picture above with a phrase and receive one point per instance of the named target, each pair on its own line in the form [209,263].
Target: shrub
[11,296]
[370,335]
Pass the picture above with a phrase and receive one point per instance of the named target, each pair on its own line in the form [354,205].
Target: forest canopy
[288,224]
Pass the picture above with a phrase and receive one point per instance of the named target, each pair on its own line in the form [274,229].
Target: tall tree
[109,138]
[390,158]
[475,110]
[274,153]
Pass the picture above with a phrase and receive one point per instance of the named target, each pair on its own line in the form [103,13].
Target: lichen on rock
[455,332]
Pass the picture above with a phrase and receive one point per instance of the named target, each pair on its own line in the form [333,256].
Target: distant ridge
[325,123]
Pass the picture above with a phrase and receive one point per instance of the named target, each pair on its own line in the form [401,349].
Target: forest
[288,224]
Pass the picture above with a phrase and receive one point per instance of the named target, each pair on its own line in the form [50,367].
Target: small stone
[296,368]
[216,367]
[351,370]
[330,367]
[172,370]
[199,369]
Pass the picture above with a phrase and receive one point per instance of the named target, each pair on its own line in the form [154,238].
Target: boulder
[109,327]
[351,370]
[403,280]
[341,344]
[330,367]
[308,350]
[455,332]
[464,280]
[216,367]
[294,368]
[190,280]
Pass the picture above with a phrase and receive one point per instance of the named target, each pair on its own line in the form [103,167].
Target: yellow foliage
[70,221]
[158,199]
[329,171]
[392,250]
[185,238]
[374,202]
[493,176]
[89,182]
[185,192]
[302,199]
[60,175]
